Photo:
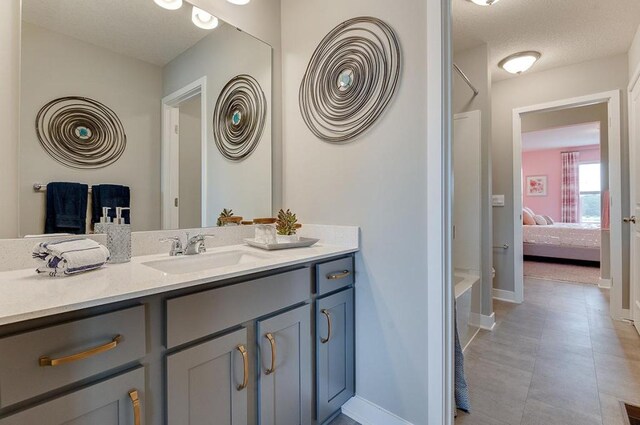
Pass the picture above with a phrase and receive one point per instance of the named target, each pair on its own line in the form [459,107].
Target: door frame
[634,145]
[612,99]
[169,176]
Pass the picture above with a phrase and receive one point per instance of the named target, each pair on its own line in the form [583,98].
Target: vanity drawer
[334,275]
[39,361]
[197,315]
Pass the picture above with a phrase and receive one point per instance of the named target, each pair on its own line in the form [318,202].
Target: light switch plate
[498,200]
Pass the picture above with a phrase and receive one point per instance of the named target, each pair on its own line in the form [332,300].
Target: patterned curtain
[570,188]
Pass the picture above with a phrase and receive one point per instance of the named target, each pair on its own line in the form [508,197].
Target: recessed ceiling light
[203,19]
[169,4]
[519,62]
[484,2]
[239,2]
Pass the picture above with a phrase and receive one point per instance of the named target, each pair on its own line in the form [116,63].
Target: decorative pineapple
[224,214]
[286,224]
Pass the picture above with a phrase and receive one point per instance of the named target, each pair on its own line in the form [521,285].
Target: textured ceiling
[135,28]
[562,137]
[564,31]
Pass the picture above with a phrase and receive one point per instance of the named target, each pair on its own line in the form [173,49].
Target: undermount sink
[202,262]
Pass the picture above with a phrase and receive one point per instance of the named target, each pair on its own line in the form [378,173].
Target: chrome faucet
[195,244]
[176,245]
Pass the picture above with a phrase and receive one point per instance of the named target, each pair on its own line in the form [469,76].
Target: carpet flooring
[562,272]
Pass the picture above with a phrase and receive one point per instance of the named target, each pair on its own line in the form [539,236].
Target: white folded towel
[70,256]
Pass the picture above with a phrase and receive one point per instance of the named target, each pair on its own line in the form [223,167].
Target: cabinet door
[207,384]
[334,352]
[285,389]
[111,402]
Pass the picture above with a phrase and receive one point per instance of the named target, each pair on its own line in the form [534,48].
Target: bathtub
[468,293]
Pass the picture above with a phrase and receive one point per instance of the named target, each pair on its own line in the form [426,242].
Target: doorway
[612,102]
[184,157]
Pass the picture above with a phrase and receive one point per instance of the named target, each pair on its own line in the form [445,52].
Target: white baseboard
[604,283]
[367,413]
[485,322]
[507,296]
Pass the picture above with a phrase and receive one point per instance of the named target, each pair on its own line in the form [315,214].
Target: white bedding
[564,234]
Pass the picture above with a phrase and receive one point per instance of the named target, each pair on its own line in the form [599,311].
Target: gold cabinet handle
[48,361]
[272,341]
[328,316]
[338,275]
[135,401]
[245,361]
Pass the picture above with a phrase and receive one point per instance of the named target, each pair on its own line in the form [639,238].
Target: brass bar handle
[135,401]
[328,316]
[48,361]
[245,361]
[272,341]
[338,275]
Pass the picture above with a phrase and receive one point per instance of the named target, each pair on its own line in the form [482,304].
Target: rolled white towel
[70,256]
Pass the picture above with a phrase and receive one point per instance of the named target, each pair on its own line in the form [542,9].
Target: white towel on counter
[70,256]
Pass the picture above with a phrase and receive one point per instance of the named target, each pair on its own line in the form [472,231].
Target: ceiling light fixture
[203,19]
[484,2]
[519,62]
[169,4]
[239,2]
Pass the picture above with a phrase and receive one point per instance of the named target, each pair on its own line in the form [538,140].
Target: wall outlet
[497,200]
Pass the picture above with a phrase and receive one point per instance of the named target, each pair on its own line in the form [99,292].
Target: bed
[571,241]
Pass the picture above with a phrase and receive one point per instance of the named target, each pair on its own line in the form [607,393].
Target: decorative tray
[302,243]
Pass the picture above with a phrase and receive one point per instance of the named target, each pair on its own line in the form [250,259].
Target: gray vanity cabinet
[207,384]
[116,401]
[285,388]
[335,359]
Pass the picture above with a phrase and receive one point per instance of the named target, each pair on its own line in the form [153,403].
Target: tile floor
[343,420]
[557,358]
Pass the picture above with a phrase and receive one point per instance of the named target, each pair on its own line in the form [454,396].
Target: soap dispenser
[119,238]
[105,220]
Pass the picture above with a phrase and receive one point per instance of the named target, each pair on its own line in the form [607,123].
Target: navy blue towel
[112,196]
[461,388]
[66,208]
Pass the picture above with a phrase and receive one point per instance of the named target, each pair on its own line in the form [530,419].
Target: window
[589,181]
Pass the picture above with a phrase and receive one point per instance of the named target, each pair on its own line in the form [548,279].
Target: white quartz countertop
[25,295]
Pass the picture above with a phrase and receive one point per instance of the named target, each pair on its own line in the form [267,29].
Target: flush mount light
[239,2]
[169,4]
[203,19]
[484,2]
[519,62]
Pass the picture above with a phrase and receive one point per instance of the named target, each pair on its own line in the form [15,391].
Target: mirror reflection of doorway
[190,169]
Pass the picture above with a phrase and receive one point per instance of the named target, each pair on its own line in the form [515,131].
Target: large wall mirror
[161,109]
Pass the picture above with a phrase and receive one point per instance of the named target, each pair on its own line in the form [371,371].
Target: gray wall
[584,114]
[529,89]
[243,186]
[378,182]
[475,64]
[634,54]
[9,116]
[55,65]
[190,207]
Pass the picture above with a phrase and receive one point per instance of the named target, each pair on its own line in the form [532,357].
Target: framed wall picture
[536,186]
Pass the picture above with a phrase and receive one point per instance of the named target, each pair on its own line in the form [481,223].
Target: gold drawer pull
[245,361]
[272,341]
[338,275]
[328,316]
[48,361]
[135,401]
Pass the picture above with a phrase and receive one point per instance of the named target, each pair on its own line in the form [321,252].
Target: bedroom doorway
[576,235]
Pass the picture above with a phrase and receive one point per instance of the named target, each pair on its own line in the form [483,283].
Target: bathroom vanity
[267,341]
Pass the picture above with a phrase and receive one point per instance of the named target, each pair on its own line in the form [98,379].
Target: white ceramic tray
[302,243]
